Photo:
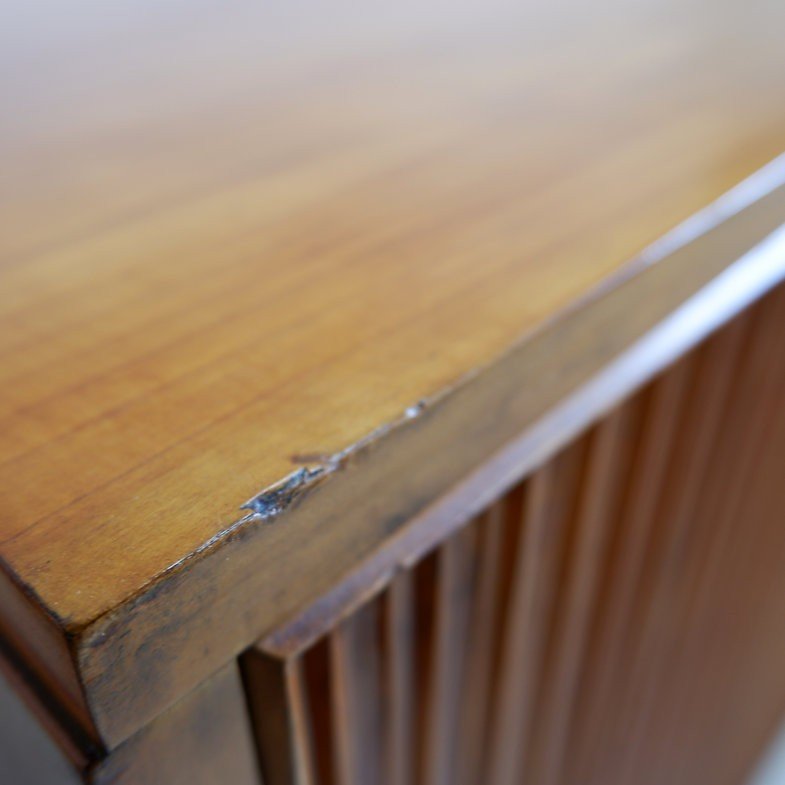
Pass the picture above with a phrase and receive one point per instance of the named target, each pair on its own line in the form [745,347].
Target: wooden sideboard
[391,393]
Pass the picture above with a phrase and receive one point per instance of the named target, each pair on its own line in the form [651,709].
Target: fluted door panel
[614,618]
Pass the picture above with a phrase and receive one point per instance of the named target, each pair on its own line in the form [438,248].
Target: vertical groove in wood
[615,455]
[304,773]
[595,510]
[484,642]
[281,717]
[536,573]
[748,619]
[716,363]
[445,678]
[662,405]
[399,676]
[758,394]
[316,671]
[355,680]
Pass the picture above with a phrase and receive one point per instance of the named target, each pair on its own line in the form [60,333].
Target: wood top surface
[238,239]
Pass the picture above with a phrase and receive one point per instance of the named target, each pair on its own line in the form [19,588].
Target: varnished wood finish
[626,595]
[374,244]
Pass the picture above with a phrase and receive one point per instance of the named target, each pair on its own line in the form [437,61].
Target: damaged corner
[273,501]
[277,498]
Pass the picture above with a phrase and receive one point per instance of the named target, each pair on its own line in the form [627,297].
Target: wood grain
[236,240]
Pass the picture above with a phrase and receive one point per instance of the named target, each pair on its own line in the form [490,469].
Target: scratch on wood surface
[276,499]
